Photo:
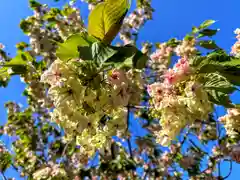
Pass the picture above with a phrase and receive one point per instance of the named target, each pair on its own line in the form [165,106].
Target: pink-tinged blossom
[158,91]
[136,19]
[186,48]
[54,74]
[179,71]
[171,76]
[161,55]
[2,46]
[236,47]
[117,78]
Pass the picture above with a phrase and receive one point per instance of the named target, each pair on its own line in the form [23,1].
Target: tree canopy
[84,92]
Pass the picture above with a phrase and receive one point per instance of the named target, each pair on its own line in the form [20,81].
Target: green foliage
[5,160]
[87,48]
[21,46]
[105,20]
[25,25]
[17,65]
[207,32]
[129,56]
[70,48]
[41,141]
[219,83]
[34,4]
[208,44]
[220,72]
[206,24]
[101,52]
[219,88]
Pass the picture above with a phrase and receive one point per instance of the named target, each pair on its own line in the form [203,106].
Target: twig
[130,147]
[4,177]
[141,107]
[64,150]
[230,171]
[198,148]
[128,139]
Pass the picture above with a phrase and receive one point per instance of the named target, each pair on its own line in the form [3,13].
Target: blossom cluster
[134,22]
[93,114]
[231,122]
[186,48]
[236,47]
[50,172]
[180,99]
[160,59]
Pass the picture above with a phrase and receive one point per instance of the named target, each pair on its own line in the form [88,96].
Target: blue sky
[172,18]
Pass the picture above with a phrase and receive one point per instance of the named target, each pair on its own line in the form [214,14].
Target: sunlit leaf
[219,83]
[206,24]
[105,20]
[69,49]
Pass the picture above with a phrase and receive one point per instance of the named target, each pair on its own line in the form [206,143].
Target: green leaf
[25,25]
[173,42]
[218,82]
[96,22]
[219,98]
[206,24]
[70,48]
[21,46]
[18,65]
[34,4]
[139,60]
[140,3]
[195,30]
[3,54]
[209,44]
[207,32]
[232,62]
[129,55]
[101,52]
[52,14]
[233,78]
[219,88]
[105,20]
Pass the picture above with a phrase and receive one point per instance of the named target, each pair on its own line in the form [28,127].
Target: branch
[196,146]
[130,147]
[4,177]
[230,171]
[128,139]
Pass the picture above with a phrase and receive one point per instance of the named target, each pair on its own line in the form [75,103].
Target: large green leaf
[219,88]
[129,56]
[101,52]
[216,61]
[105,20]
[96,22]
[232,62]
[233,77]
[220,98]
[70,48]
[218,82]
[18,64]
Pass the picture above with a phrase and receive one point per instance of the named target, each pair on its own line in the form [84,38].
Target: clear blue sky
[172,18]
